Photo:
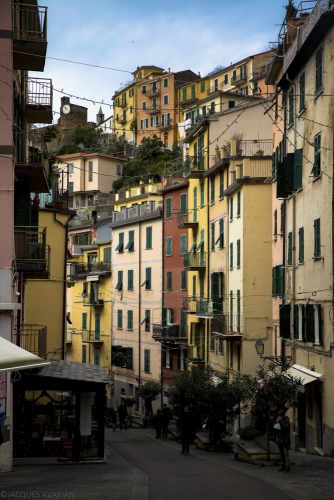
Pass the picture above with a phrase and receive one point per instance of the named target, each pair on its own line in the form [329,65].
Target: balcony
[32,338]
[136,211]
[94,299]
[154,92]
[121,104]
[240,77]
[194,261]
[151,110]
[166,332]
[91,336]
[31,168]
[187,219]
[165,124]
[193,167]
[189,98]
[32,253]
[29,36]
[38,100]
[81,270]
[189,304]
[208,308]
[121,119]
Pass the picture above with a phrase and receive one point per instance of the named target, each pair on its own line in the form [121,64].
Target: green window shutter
[120,319]
[316,170]
[214,285]
[221,184]
[146,360]
[183,280]
[148,238]
[275,222]
[164,316]
[318,69]
[119,285]
[231,255]
[302,92]
[107,254]
[284,319]
[290,166]
[84,353]
[221,233]
[239,203]
[195,204]
[120,246]
[298,170]
[183,203]
[201,194]
[231,311]
[280,184]
[92,294]
[119,356]
[147,320]
[282,218]
[183,244]
[309,323]
[168,208]
[90,171]
[197,338]
[295,321]
[130,245]
[194,286]
[238,311]
[169,246]
[130,280]
[301,245]
[290,249]
[212,340]
[317,247]
[274,280]
[97,326]
[238,253]
[320,324]
[169,280]
[213,241]
[184,94]
[183,323]
[148,278]
[84,321]
[129,358]
[130,320]
[212,189]
[231,208]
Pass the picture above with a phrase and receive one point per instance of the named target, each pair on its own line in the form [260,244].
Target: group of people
[122,414]
[161,421]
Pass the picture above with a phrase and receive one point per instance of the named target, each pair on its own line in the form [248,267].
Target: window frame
[149,232]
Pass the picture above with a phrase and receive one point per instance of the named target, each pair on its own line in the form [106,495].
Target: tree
[87,136]
[216,70]
[149,392]
[211,395]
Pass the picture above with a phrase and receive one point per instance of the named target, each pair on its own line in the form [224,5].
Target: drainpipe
[284,219]
[139,309]
[207,271]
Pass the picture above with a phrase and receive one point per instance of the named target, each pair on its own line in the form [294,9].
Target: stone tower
[99,117]
[70,115]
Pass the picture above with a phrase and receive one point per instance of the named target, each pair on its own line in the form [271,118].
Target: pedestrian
[282,428]
[166,416]
[186,425]
[114,419]
[157,421]
[122,414]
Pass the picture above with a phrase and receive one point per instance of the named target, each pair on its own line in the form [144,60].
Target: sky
[121,35]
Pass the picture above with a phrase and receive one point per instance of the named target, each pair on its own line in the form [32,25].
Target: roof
[14,358]
[89,155]
[180,184]
[70,370]
[142,67]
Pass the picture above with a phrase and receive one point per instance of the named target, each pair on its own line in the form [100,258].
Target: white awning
[306,376]
[14,358]
[92,278]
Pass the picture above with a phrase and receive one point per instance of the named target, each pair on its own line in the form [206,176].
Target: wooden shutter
[296,321]
[280,184]
[148,237]
[119,319]
[97,326]
[238,311]
[290,165]
[238,253]
[129,358]
[84,321]
[83,354]
[309,337]
[183,203]
[148,278]
[284,317]
[214,285]
[301,245]
[298,170]
[130,320]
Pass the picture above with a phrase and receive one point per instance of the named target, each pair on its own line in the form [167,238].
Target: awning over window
[92,278]
[306,376]
[13,357]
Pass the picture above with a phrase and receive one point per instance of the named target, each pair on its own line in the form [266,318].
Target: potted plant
[259,152]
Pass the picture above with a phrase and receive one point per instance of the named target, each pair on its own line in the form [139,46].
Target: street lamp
[283,361]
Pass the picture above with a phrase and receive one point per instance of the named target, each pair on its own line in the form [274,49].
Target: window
[70,187]
[144,105]
[148,279]
[291,98]
[203,110]
[193,91]
[316,170]
[275,223]
[131,92]
[238,253]
[84,354]
[317,247]
[255,87]
[84,292]
[90,171]
[231,104]
[290,249]
[213,241]
[202,86]
[130,280]
[169,208]
[238,312]
[165,82]
[70,168]
[183,244]
[225,79]
[318,70]
[119,285]
[298,169]
[299,322]
[231,311]
[144,89]
[194,287]
[130,320]
[97,326]
[220,240]
[216,84]
[313,323]
[183,204]
[184,98]
[302,92]
[239,204]
[165,119]
[212,190]
[301,245]
[201,286]
[154,121]
[277,280]
[231,209]
[221,184]
[131,242]
[231,256]
[118,169]
[282,218]
[285,321]
[169,280]
[183,280]
[212,107]
[169,243]
[166,99]
[201,194]
[195,204]
[244,90]
[120,319]
[97,357]
[144,123]
[84,321]
[147,363]
[148,238]
[120,246]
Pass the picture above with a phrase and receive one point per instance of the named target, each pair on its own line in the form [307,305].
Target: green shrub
[248,433]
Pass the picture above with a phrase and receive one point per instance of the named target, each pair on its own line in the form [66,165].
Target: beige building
[136,290]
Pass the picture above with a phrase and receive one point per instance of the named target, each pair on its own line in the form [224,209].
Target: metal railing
[255,148]
[152,109]
[166,331]
[136,211]
[240,76]
[30,248]
[29,22]
[38,91]
[82,269]
[209,307]
[91,336]
[32,338]
[193,163]
[218,324]
[194,259]
[165,122]
[189,216]
[94,298]
[189,304]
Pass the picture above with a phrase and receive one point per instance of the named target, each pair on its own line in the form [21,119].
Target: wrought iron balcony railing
[95,298]
[31,251]
[82,269]
[209,307]
[38,101]
[166,331]
[193,165]
[32,338]
[91,336]
[187,218]
[194,260]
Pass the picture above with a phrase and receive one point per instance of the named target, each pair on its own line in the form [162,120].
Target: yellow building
[136,289]
[89,298]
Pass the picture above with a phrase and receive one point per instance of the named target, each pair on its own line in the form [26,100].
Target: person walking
[186,425]
[122,414]
[166,415]
[157,420]
[282,428]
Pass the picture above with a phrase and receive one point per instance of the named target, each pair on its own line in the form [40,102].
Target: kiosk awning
[14,358]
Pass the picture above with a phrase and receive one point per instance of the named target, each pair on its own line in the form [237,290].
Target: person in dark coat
[122,414]
[186,427]
[282,428]
[157,420]
[166,415]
